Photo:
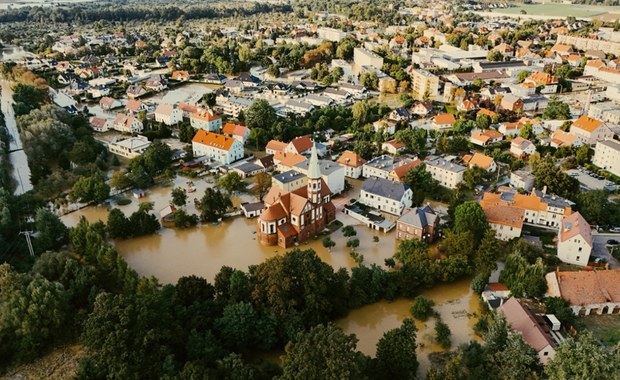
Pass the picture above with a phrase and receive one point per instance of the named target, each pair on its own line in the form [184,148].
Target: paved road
[19,161]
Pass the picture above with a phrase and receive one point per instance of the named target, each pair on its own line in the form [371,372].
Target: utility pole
[28,241]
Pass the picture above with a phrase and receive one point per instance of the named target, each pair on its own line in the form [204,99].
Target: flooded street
[17,156]
[455,303]
[203,250]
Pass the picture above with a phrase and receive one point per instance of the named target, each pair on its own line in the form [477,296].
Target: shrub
[422,308]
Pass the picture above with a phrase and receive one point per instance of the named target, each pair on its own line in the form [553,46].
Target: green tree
[523,278]
[90,189]
[349,231]
[260,115]
[474,176]
[583,358]
[469,217]
[182,219]
[179,197]
[583,154]
[442,334]
[561,309]
[142,222]
[120,181]
[369,80]
[483,121]
[422,308]
[495,56]
[396,352]
[527,131]
[522,75]
[213,205]
[118,225]
[328,243]
[52,233]
[518,360]
[242,327]
[557,182]
[262,184]
[232,182]
[556,110]
[487,253]
[324,352]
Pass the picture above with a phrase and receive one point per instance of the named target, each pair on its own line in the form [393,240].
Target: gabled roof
[205,115]
[385,188]
[301,144]
[521,320]
[587,123]
[542,79]
[276,145]
[573,225]
[165,109]
[561,138]
[419,217]
[505,215]
[352,159]
[213,139]
[401,171]
[133,105]
[444,118]
[234,129]
[588,287]
[481,160]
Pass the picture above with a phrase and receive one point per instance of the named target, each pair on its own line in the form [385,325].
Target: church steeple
[314,177]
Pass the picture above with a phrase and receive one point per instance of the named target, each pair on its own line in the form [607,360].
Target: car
[612,241]
[614,229]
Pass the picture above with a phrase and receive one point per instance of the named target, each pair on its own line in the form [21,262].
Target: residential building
[523,321]
[399,173]
[548,82]
[393,146]
[251,210]
[379,166]
[485,137]
[331,173]
[607,156]
[584,43]
[206,120]
[574,240]
[300,145]
[107,103]
[422,108]
[587,292]
[330,34]
[289,180]
[365,57]
[236,131]
[134,106]
[274,146]
[443,121]
[168,114]
[180,75]
[480,160]
[399,114]
[384,126]
[590,130]
[511,102]
[127,124]
[219,148]
[520,147]
[505,220]
[100,125]
[420,223]
[521,179]
[448,174]
[248,169]
[559,138]
[352,163]
[285,161]
[424,85]
[292,217]
[385,195]
[130,147]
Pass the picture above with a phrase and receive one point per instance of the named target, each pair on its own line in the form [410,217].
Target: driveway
[601,249]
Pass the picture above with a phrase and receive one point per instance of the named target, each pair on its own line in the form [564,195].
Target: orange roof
[479,159]
[179,74]
[559,137]
[573,225]
[573,57]
[529,202]
[542,79]
[610,70]
[272,213]
[276,145]
[485,111]
[302,143]
[186,107]
[595,63]
[561,48]
[234,129]
[401,171]
[288,159]
[352,159]
[205,115]
[503,214]
[444,118]
[586,123]
[213,139]
[133,105]
[589,287]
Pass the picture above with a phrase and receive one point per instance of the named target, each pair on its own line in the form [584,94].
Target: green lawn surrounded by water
[554,9]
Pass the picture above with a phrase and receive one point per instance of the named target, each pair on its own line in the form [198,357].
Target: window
[580,248]
[577,258]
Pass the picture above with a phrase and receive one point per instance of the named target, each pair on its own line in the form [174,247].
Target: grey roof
[327,167]
[385,188]
[613,144]
[503,64]
[289,176]
[554,200]
[252,206]
[381,162]
[248,167]
[441,162]
[419,217]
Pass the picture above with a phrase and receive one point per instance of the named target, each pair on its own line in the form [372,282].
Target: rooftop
[385,188]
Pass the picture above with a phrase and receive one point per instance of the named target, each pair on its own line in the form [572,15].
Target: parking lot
[602,250]
[590,181]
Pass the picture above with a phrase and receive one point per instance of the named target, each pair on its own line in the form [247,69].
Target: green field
[556,10]
[604,327]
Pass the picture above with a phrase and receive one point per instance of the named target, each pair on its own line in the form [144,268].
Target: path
[17,156]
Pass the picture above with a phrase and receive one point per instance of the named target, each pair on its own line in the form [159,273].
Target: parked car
[614,229]
[612,241]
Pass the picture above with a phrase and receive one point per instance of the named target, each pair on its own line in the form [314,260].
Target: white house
[520,179]
[236,131]
[482,161]
[219,148]
[206,120]
[384,126]
[385,195]
[127,124]
[352,164]
[574,240]
[443,121]
[130,147]
[107,103]
[520,147]
[607,156]
[448,174]
[505,220]
[590,130]
[168,114]
[331,172]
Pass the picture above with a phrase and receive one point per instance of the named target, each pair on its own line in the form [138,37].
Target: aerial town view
[310,189]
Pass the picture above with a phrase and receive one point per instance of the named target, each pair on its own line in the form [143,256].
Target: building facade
[219,148]
[607,156]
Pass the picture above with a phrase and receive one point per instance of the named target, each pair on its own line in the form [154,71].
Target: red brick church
[296,216]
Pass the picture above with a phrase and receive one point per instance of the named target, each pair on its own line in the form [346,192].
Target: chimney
[544,190]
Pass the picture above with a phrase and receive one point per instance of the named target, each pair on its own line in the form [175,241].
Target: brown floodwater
[455,303]
[203,250]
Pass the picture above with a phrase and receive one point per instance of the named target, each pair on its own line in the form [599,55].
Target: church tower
[314,178]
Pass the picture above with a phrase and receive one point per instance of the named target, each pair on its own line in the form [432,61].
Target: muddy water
[455,303]
[202,251]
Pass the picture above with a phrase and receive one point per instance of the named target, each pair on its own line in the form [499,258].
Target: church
[293,217]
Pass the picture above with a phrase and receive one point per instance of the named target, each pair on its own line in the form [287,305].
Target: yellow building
[424,85]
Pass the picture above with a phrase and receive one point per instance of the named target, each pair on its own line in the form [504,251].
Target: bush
[422,308]
[123,201]
[443,334]
[348,231]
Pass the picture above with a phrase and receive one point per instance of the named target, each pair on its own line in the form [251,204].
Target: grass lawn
[451,109]
[554,9]
[606,328]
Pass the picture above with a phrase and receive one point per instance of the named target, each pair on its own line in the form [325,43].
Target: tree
[527,131]
[52,233]
[495,56]
[483,121]
[232,182]
[213,205]
[118,225]
[260,115]
[328,243]
[474,176]
[581,358]
[557,182]
[469,216]
[361,112]
[369,80]
[90,189]
[182,219]
[583,154]
[179,197]
[496,336]
[522,278]
[442,334]
[487,254]
[241,326]
[324,352]
[422,308]
[561,309]
[396,352]
[120,181]
[154,160]
[353,243]
[349,231]
[556,110]
[521,75]
[262,184]
[518,360]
